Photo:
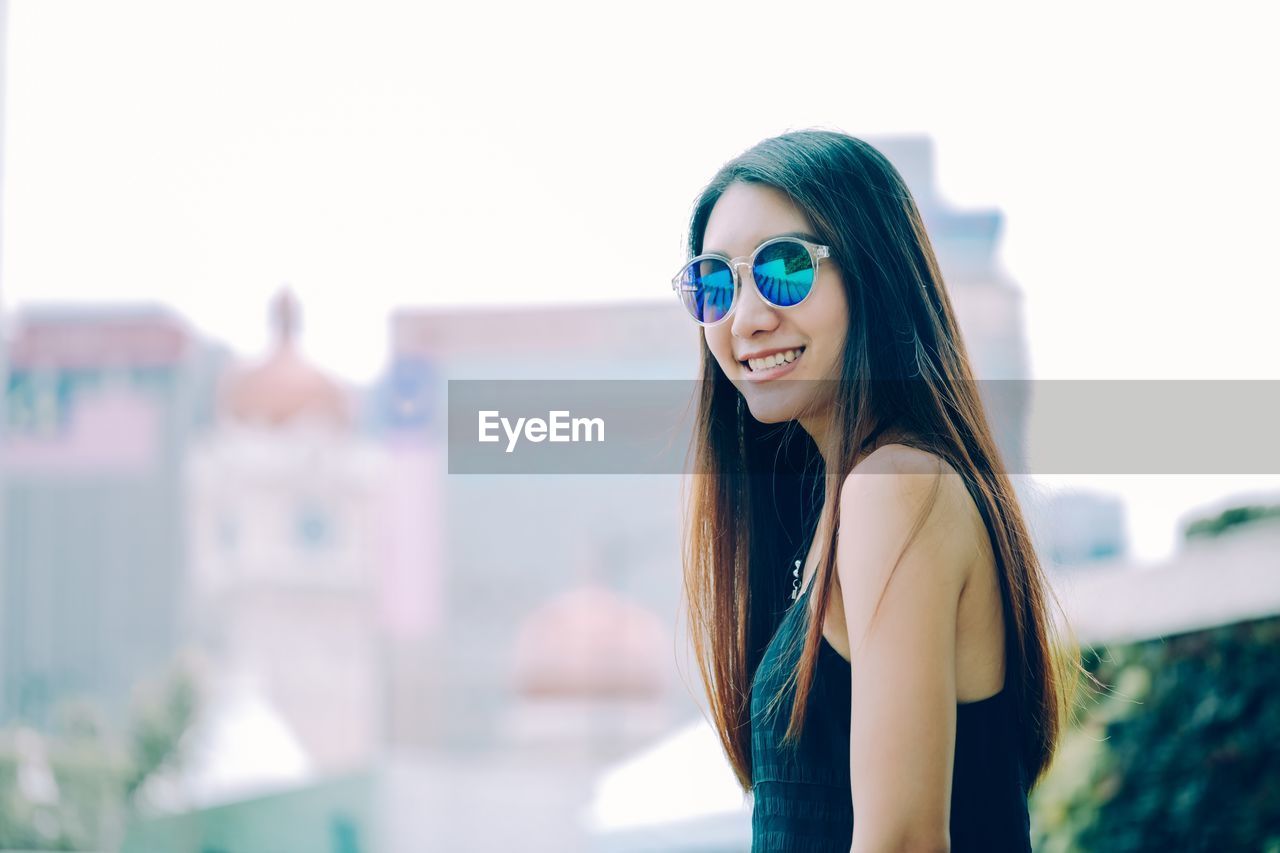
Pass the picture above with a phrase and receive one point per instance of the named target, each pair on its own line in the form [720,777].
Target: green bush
[1231,519]
[1180,749]
[90,775]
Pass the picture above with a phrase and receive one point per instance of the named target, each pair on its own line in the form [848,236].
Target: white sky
[378,155]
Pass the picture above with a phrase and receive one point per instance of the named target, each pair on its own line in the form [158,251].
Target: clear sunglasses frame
[816,252]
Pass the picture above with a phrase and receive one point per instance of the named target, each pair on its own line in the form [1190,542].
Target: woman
[869,618]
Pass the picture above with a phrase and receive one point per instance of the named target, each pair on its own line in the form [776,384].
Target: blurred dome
[590,642]
[285,388]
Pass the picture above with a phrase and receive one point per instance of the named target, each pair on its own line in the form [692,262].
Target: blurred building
[100,406]
[1219,580]
[1080,527]
[987,302]
[511,546]
[285,503]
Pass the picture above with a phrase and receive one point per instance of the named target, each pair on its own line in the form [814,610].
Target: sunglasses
[783,268]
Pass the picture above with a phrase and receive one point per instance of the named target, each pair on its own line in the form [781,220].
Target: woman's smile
[771,366]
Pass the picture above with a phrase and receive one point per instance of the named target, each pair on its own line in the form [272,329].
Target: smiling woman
[923,688]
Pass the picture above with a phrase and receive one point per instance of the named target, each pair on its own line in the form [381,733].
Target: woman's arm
[902,630]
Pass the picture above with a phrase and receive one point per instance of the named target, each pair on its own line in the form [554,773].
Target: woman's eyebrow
[803,235]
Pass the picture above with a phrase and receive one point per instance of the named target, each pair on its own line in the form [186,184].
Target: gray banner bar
[1043,427]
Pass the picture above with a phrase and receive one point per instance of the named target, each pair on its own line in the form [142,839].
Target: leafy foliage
[71,789]
[1228,519]
[1180,751]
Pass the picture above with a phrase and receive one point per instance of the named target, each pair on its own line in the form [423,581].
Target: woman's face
[744,217]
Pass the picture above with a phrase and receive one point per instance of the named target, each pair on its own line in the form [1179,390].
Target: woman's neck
[819,428]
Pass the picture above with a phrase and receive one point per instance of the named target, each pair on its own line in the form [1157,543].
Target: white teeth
[775,359]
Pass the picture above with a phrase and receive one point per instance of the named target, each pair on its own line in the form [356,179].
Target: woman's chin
[774,405]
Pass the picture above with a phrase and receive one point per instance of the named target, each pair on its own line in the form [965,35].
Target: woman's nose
[752,312]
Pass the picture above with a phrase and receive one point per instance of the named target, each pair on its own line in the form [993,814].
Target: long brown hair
[760,487]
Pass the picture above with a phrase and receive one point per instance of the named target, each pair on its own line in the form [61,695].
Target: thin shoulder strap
[875,432]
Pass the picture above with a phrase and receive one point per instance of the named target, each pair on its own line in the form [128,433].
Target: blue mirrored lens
[784,273]
[706,288]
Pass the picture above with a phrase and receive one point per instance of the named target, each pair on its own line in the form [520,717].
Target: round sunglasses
[783,268]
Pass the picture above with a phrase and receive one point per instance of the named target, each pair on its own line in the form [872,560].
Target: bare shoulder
[888,493]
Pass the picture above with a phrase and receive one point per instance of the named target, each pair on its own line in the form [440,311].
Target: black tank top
[803,801]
